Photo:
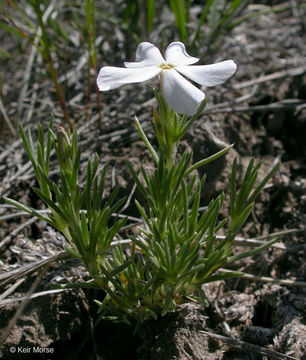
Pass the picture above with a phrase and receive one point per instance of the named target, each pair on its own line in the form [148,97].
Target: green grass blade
[150,14]
[178,8]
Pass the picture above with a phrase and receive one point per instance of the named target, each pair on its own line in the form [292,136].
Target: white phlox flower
[182,96]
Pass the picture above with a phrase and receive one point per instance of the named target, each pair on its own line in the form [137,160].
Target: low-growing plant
[176,250]
[80,214]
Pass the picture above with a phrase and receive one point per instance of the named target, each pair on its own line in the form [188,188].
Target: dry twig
[248,346]
[274,76]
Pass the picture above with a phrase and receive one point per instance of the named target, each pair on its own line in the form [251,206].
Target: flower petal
[112,77]
[180,94]
[147,54]
[176,54]
[209,75]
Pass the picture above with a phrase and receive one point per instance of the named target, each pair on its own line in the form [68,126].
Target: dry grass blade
[16,231]
[6,152]
[249,347]
[10,276]
[32,296]
[289,104]
[259,241]
[277,75]
[25,300]
[284,282]
[13,275]
[31,58]
[11,289]
[6,118]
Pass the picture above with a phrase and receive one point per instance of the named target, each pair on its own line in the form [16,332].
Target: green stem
[48,58]
[170,160]
[59,93]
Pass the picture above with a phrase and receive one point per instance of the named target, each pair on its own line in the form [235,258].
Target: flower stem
[59,93]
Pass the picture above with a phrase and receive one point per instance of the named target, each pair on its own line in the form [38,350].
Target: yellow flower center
[165,66]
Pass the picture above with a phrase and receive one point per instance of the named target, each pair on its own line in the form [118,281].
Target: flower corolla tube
[182,96]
